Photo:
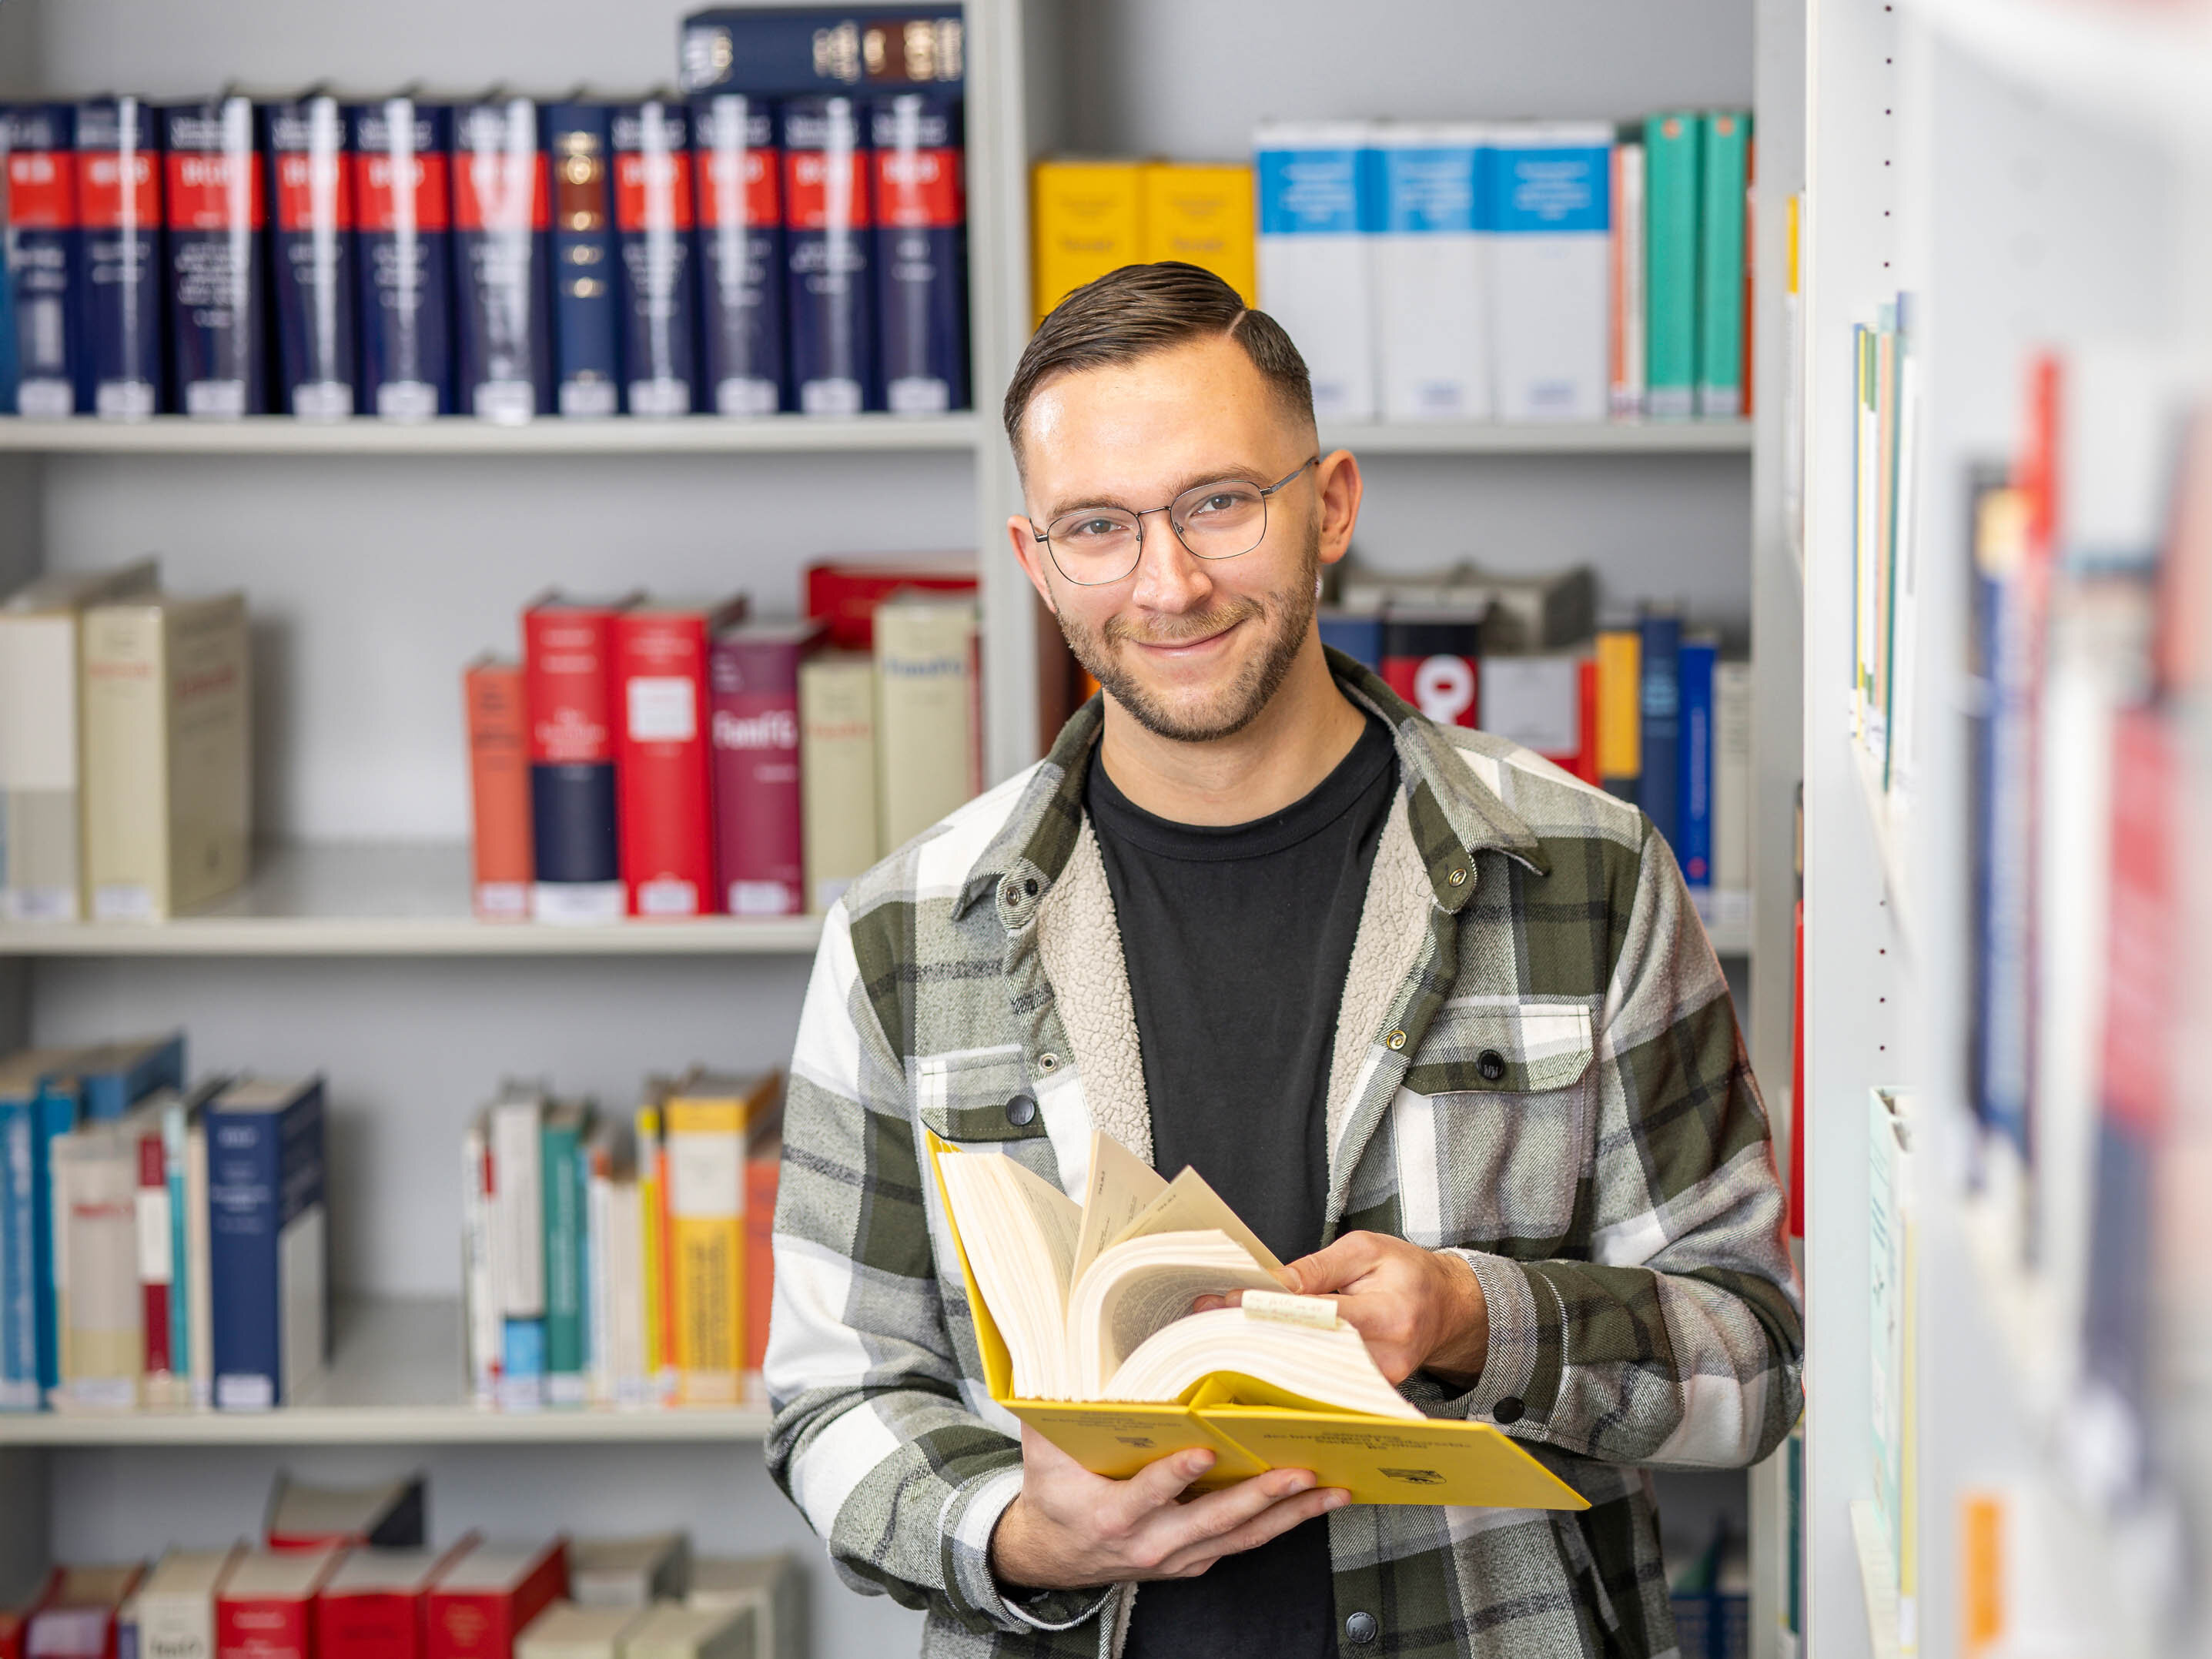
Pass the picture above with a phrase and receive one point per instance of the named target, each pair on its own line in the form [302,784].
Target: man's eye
[1222,502]
[1094,527]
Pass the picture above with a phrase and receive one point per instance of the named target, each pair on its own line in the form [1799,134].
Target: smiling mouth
[1177,648]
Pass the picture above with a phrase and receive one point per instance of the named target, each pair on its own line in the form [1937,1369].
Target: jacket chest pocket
[1491,1127]
[977,1094]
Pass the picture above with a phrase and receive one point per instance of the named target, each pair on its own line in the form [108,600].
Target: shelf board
[395,1378]
[1539,437]
[281,434]
[1886,816]
[389,901]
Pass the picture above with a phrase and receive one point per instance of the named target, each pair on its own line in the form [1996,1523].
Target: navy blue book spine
[921,250]
[502,261]
[264,1171]
[1359,637]
[738,172]
[829,287]
[43,258]
[659,278]
[780,54]
[1660,698]
[587,307]
[215,213]
[311,275]
[1693,801]
[403,215]
[119,207]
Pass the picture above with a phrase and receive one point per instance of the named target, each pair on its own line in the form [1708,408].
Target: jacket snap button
[1010,892]
[1360,1628]
[1457,878]
[1490,1064]
[1030,887]
[1509,1410]
[1021,1111]
[1397,1040]
[1048,1062]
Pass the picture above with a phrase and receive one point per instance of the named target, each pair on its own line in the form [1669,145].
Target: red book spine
[498,790]
[760,1258]
[569,694]
[759,844]
[155,1270]
[1585,766]
[381,1625]
[667,832]
[471,1624]
[265,1627]
[845,596]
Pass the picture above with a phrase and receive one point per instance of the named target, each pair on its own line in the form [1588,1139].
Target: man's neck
[1281,756]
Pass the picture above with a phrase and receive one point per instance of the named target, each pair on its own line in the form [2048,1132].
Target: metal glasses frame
[1143,514]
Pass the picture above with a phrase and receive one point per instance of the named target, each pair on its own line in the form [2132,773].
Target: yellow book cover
[705,1120]
[650,1187]
[1200,212]
[1086,219]
[1128,1260]
[1619,703]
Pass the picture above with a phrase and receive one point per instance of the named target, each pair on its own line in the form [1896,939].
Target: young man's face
[1194,648]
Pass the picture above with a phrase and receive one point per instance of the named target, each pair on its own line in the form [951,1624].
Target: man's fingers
[1332,1269]
[1277,1518]
[1217,1514]
[1163,1480]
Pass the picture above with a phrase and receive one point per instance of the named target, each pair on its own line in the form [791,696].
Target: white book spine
[1628,319]
[1548,224]
[176,1624]
[40,862]
[1431,322]
[1313,258]
[627,1295]
[926,753]
[480,1293]
[599,1230]
[517,1209]
[1731,890]
[198,1289]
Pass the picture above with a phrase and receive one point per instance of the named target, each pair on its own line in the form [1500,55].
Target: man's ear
[1031,554]
[1337,487]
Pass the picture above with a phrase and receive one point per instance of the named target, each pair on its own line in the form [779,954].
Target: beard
[1283,617]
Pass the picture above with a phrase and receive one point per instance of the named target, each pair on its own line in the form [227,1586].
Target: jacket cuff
[972,1515]
[1509,1365]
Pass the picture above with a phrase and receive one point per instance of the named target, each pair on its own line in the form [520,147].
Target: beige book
[567,1631]
[167,787]
[678,1632]
[102,1319]
[928,758]
[628,1572]
[176,1604]
[42,741]
[768,1586]
[836,771]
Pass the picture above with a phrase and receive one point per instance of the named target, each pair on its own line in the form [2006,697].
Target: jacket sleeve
[871,1436]
[1678,1339]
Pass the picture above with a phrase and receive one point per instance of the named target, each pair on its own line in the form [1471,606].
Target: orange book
[763,1158]
[498,788]
[706,1122]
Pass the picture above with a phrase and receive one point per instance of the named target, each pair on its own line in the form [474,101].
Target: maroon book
[759,848]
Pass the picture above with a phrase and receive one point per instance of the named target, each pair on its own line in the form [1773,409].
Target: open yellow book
[1082,1312]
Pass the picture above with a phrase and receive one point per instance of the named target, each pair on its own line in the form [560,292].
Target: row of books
[621,1262]
[1646,709]
[125,747]
[349,1574]
[407,257]
[669,759]
[160,1245]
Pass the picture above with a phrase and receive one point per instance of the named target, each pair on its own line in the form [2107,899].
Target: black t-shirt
[1238,938]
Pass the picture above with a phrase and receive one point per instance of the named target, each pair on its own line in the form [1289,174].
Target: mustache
[1180,629]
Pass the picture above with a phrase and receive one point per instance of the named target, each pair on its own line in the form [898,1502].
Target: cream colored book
[928,759]
[768,1586]
[669,1632]
[567,1631]
[167,787]
[837,771]
[628,1572]
[176,1603]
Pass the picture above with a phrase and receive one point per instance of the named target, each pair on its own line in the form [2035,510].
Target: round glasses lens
[1095,546]
[1220,520]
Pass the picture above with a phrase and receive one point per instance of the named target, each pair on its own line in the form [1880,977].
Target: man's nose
[1168,577]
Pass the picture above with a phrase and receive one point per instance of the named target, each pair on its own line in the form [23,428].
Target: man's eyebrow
[1237,474]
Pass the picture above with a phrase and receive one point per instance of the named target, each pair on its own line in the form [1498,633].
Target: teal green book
[561,1167]
[1672,147]
[1726,168]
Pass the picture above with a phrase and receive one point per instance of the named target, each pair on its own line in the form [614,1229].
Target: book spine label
[311,267]
[1202,215]
[830,289]
[19,1327]
[653,215]
[213,191]
[1725,179]
[498,790]
[1087,218]
[177,1625]
[1549,210]
[157,1262]
[586,344]
[1313,260]
[502,262]
[706,1205]
[738,171]
[769,50]
[402,206]
[667,846]
[1694,798]
[119,204]
[265,1627]
[1659,701]
[382,1626]
[568,667]
[1431,319]
[44,250]
[1672,146]
[921,252]
[759,832]
[1437,667]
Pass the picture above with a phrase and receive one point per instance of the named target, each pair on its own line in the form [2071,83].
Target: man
[1437,1019]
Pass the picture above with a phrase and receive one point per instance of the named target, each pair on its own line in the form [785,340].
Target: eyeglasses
[1094,546]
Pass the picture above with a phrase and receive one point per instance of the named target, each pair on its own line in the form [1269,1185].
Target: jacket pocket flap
[982,1094]
[1525,1049]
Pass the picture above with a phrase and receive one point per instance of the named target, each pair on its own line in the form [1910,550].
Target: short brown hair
[1140,309]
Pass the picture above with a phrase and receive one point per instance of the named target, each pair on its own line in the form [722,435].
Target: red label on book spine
[41,190]
[310,192]
[569,655]
[826,190]
[918,189]
[667,855]
[759,839]
[265,1627]
[386,188]
[652,192]
[739,187]
[483,1623]
[105,201]
[154,1267]
[213,191]
[502,190]
[372,1625]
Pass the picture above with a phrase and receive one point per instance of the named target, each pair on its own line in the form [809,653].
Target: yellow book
[1620,704]
[1200,213]
[651,1169]
[1080,1311]
[1086,219]
[705,1120]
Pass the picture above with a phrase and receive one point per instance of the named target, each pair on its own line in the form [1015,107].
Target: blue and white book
[740,174]
[659,283]
[41,345]
[1548,224]
[268,1240]
[586,310]
[1694,806]
[830,293]
[113,1077]
[1660,701]
[1431,323]
[1313,256]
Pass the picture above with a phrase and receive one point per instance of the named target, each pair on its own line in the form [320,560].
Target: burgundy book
[753,679]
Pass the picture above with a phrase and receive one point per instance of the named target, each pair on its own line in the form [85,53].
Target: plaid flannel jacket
[1612,1185]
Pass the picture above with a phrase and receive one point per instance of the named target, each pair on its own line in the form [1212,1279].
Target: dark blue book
[41,327]
[587,305]
[1359,637]
[659,282]
[267,1240]
[921,250]
[1660,699]
[1693,802]
[502,262]
[213,209]
[829,287]
[114,1077]
[124,297]
[403,221]
[740,174]
[311,275]
[779,53]
[25,1238]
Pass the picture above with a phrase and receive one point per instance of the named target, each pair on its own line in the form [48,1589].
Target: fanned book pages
[1083,1314]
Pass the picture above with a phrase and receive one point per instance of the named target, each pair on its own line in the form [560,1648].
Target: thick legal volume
[738,174]
[780,52]
[1659,791]
[830,290]
[587,308]
[1314,203]
[837,771]
[759,839]
[666,798]
[921,252]
[403,209]
[39,216]
[119,205]
[502,262]
[1433,344]
[215,215]
[1435,663]
[268,1241]
[659,283]
[487,1599]
[498,788]
[266,1609]
[1548,216]
[569,669]
[311,267]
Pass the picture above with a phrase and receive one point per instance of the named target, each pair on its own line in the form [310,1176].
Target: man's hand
[1418,1309]
[1069,1529]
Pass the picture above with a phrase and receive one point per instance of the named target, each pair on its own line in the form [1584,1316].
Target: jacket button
[1509,1409]
[1030,887]
[1490,1064]
[1360,1628]
[1397,1040]
[1021,1111]
[1457,878]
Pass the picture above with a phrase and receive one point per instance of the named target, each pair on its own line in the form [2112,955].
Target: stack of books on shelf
[1645,709]
[666,759]
[1467,270]
[349,1574]
[125,739]
[160,1245]
[621,1263]
[790,235]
